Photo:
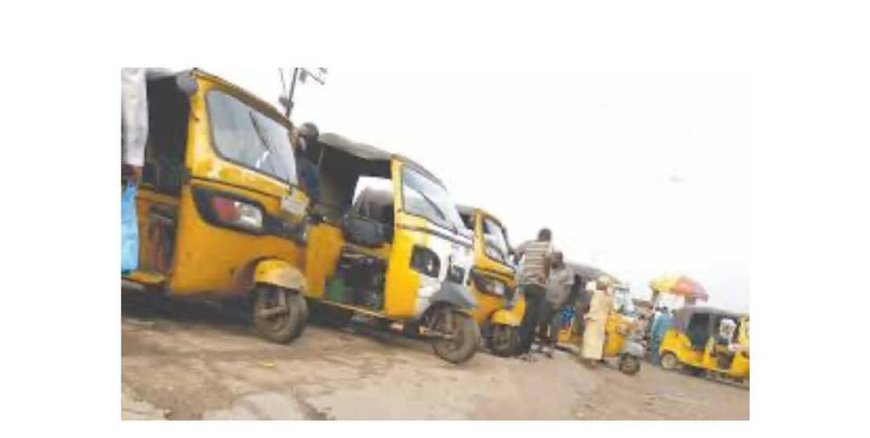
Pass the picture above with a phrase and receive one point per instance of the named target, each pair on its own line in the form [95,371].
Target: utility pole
[301,74]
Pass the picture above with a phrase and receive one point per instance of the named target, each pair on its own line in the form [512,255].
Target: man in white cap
[594,333]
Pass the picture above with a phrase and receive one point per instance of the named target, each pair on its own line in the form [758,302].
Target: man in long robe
[600,307]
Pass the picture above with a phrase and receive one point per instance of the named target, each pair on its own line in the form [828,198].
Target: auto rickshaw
[500,306]
[693,341]
[389,243]
[220,215]
[623,339]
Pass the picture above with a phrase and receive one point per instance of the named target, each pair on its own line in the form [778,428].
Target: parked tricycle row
[222,214]
[226,211]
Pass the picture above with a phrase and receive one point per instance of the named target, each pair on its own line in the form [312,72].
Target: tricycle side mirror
[316,217]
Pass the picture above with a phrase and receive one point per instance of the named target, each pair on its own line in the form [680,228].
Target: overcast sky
[635,173]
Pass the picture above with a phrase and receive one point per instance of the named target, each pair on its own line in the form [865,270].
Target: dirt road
[196,362]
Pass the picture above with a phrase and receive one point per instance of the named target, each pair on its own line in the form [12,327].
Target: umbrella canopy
[679,285]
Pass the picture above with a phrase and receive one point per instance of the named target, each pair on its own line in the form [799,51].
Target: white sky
[638,174]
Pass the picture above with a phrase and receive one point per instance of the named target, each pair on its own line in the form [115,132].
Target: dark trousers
[550,323]
[534,295]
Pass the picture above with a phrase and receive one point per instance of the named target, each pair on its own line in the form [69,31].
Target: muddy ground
[194,361]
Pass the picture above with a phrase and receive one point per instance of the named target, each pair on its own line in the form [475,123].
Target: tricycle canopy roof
[368,152]
[683,316]
[464,209]
[184,80]
[469,210]
[589,273]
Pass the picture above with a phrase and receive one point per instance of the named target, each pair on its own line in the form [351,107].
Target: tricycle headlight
[489,285]
[237,213]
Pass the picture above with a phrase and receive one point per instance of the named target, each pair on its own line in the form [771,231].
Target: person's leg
[551,322]
[544,325]
[555,326]
[524,324]
[529,322]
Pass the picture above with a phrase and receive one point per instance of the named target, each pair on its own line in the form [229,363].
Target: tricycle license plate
[292,206]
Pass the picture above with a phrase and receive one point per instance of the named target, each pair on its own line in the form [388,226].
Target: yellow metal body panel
[403,283]
[321,257]
[207,258]
[492,308]
[510,318]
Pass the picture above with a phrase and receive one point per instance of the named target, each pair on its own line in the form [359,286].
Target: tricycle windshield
[622,303]
[248,137]
[423,197]
[495,238]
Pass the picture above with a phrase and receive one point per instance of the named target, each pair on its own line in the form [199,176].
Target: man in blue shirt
[305,168]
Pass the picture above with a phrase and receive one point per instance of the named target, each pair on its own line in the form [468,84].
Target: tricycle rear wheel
[279,314]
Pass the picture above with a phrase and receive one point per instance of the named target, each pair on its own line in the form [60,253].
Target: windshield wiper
[265,143]
[438,210]
[434,206]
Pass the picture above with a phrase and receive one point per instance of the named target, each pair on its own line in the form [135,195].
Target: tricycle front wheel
[503,340]
[456,336]
[629,364]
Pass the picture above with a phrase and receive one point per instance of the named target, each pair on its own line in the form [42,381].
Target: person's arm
[521,249]
[134,116]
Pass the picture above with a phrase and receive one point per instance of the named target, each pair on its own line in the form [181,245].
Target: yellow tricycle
[500,306]
[220,214]
[708,340]
[389,243]
[622,338]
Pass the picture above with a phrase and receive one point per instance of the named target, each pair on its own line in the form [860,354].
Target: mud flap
[455,294]
[505,317]
[633,349]
[279,273]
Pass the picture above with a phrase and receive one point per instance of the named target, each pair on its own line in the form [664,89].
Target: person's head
[305,137]
[309,132]
[545,235]
[557,260]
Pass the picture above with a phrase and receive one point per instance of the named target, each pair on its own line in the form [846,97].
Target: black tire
[629,365]
[281,327]
[503,340]
[466,336]
[300,306]
[669,361]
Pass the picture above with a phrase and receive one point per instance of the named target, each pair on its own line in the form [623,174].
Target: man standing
[557,297]
[304,145]
[596,321]
[661,320]
[134,134]
[535,255]
[134,122]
